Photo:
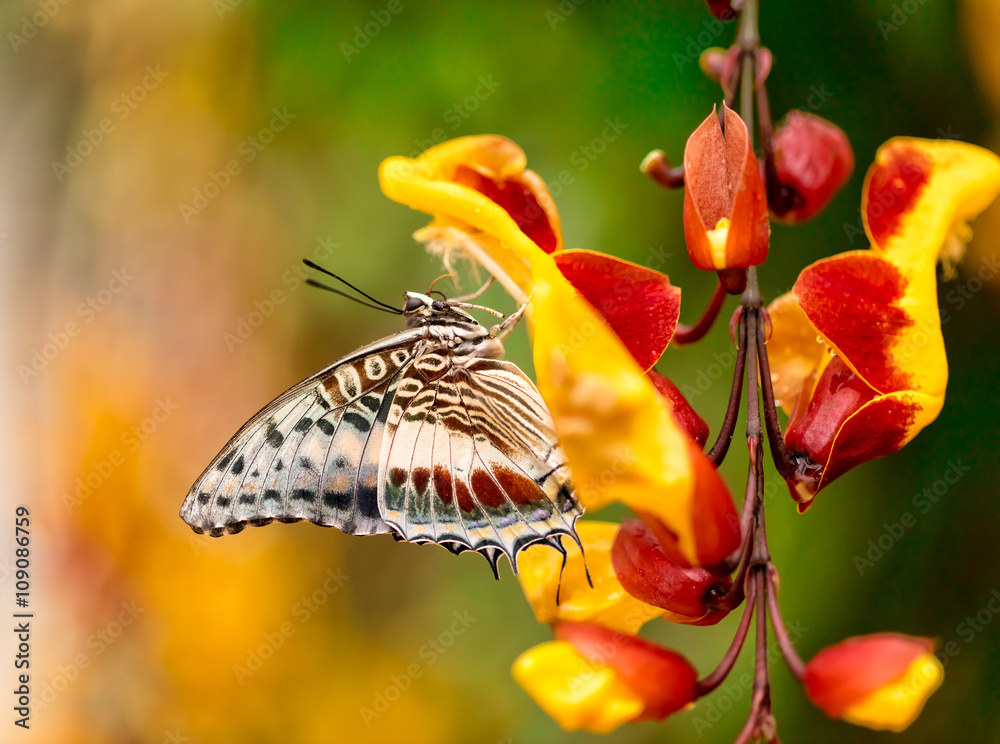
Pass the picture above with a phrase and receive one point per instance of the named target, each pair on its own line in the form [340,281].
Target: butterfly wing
[312,454]
[471,462]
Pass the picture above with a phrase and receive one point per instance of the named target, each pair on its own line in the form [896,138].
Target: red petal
[647,573]
[838,395]
[686,416]
[716,523]
[852,300]
[517,196]
[751,227]
[842,675]
[893,188]
[707,178]
[640,304]
[846,425]
[661,677]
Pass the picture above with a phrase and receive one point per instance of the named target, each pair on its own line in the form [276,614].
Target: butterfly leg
[477,293]
[502,330]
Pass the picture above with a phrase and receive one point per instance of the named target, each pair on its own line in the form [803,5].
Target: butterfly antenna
[431,288]
[313,265]
[384,309]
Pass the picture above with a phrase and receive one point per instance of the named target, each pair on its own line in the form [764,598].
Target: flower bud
[712,62]
[725,209]
[648,573]
[879,681]
[722,9]
[813,160]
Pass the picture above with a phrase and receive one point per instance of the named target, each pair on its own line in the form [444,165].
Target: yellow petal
[796,354]
[896,705]
[606,603]
[575,692]
[918,192]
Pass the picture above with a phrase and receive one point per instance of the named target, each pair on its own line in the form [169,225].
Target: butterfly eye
[412,304]
[439,305]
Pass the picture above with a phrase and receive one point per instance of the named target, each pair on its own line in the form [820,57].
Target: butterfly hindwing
[312,454]
[470,459]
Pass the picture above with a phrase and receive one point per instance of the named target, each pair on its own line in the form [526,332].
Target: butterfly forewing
[312,454]
[471,460]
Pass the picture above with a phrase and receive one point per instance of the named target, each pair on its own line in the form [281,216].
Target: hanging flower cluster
[853,354]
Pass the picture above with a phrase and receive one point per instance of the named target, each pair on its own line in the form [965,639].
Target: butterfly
[426,434]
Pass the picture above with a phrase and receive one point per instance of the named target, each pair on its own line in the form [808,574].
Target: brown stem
[760,706]
[656,166]
[689,334]
[730,600]
[747,519]
[715,678]
[792,657]
[787,464]
[718,452]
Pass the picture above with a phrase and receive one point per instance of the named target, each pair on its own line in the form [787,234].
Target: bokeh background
[143,323]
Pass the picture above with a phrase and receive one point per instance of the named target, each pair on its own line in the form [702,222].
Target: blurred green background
[178,352]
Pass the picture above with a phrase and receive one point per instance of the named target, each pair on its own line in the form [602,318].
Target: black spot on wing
[222,501]
[304,494]
[238,465]
[246,498]
[340,500]
[224,462]
[367,502]
[304,423]
[279,466]
[272,495]
[371,402]
[357,421]
[274,437]
[326,427]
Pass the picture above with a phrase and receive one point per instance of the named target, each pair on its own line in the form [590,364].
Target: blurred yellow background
[164,167]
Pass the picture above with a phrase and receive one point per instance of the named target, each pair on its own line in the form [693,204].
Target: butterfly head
[420,310]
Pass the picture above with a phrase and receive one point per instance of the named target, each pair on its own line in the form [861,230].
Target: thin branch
[656,166]
[689,334]
[715,678]
[747,517]
[760,706]
[792,657]
[718,452]
[779,453]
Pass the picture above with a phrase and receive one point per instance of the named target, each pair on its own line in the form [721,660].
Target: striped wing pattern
[312,454]
[424,435]
[470,460]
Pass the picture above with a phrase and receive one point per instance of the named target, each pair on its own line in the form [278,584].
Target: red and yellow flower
[596,679]
[590,363]
[881,681]
[857,356]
